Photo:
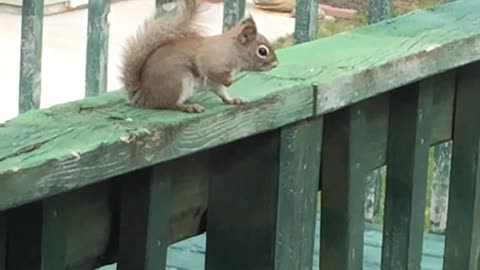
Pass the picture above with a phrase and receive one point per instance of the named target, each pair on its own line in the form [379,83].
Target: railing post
[462,243]
[37,235]
[31,55]
[379,10]
[407,167]
[97,47]
[343,179]
[306,20]
[262,200]
[144,222]
[233,13]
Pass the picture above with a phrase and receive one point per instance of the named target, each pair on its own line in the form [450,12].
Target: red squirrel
[168,60]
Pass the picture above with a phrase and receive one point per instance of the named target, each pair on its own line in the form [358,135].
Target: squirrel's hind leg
[189,87]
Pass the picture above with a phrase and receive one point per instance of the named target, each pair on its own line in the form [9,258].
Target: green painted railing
[86,183]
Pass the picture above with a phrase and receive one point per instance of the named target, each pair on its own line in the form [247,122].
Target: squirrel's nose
[274,64]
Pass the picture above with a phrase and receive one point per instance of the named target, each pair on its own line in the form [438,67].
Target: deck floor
[189,254]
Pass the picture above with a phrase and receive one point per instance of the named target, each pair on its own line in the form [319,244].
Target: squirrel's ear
[247,34]
[248,20]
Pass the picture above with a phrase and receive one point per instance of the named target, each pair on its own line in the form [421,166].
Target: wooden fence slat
[3,241]
[241,204]
[233,13]
[300,151]
[407,169]
[144,222]
[97,47]
[379,10]
[306,20]
[462,243]
[37,235]
[31,55]
[262,200]
[343,188]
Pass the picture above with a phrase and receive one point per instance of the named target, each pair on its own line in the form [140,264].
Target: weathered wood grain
[79,143]
[97,47]
[343,179]
[145,215]
[462,242]
[233,13]
[31,55]
[407,167]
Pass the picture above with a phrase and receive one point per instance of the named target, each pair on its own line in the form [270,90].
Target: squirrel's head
[256,52]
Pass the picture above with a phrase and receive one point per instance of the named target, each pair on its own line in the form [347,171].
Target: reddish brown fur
[172,63]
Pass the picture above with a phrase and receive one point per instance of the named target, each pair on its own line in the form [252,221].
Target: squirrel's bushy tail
[156,31]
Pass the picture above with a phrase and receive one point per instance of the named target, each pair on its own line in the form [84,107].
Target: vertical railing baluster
[31,55]
[145,213]
[379,10]
[37,231]
[343,182]
[306,20]
[409,130]
[462,242]
[97,47]
[233,12]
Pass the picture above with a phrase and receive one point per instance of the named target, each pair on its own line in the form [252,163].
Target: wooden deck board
[190,254]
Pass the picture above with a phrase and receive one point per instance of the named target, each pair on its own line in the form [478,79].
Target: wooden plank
[306,20]
[462,243]
[442,155]
[97,47]
[3,241]
[407,168]
[34,167]
[379,10]
[300,151]
[145,215]
[37,235]
[31,55]
[242,203]
[259,185]
[343,188]
[233,13]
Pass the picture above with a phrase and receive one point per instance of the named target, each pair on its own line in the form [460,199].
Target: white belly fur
[190,85]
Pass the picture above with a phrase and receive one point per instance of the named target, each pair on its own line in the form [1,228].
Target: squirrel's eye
[262,51]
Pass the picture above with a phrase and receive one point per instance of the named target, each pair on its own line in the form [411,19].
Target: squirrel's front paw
[234,101]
